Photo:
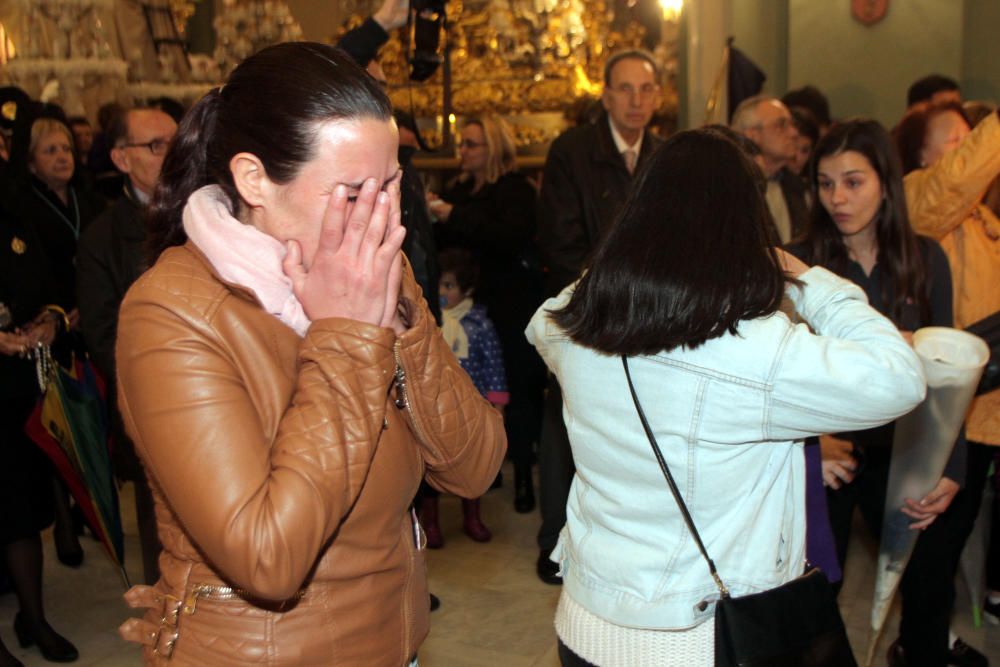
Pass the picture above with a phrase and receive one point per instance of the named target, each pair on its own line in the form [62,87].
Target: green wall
[981,50]
[760,30]
[865,70]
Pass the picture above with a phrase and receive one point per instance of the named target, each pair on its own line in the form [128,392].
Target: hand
[42,330]
[74,319]
[392,14]
[839,464]
[933,504]
[440,208]
[14,342]
[358,264]
[907,336]
[792,265]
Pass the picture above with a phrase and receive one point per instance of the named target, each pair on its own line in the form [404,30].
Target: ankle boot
[429,520]
[472,525]
[524,489]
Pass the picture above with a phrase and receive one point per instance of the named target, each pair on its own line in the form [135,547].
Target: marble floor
[494,612]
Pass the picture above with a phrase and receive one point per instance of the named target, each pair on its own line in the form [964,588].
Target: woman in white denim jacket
[686,286]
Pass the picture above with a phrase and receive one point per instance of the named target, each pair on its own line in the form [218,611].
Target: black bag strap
[673,486]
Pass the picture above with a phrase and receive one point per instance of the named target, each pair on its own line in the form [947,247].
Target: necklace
[74,224]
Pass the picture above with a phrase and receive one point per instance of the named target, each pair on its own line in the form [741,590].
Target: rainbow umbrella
[70,425]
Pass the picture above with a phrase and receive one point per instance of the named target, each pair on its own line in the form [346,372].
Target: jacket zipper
[403,403]
[402,398]
[221,593]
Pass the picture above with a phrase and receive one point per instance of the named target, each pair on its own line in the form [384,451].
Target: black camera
[428,20]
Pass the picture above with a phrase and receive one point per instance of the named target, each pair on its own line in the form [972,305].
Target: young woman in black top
[860,230]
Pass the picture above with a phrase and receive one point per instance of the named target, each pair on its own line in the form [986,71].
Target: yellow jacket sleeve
[942,195]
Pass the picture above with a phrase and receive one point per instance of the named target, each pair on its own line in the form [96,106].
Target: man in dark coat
[110,256]
[587,176]
[767,122]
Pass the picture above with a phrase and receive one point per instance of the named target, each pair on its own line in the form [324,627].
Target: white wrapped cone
[953,361]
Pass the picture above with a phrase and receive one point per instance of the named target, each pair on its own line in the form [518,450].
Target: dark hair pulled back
[272,107]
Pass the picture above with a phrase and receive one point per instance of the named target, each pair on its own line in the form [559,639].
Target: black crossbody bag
[797,624]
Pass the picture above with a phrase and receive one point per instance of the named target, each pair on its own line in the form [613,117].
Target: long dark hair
[271,107]
[687,259]
[899,254]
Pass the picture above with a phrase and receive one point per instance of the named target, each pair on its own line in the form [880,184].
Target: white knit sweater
[608,645]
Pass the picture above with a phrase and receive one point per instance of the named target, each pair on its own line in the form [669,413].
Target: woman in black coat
[56,206]
[490,210]
[27,289]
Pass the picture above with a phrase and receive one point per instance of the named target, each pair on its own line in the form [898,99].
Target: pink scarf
[243,255]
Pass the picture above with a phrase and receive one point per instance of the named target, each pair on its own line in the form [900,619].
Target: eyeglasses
[782,123]
[645,91]
[156,146]
[469,143]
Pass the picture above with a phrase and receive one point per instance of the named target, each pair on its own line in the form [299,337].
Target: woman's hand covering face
[357,267]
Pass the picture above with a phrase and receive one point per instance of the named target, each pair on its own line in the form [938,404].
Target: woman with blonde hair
[490,210]
[55,204]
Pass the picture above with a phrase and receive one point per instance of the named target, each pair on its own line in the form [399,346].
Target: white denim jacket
[729,417]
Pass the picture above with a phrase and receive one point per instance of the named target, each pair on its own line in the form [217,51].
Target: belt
[163,636]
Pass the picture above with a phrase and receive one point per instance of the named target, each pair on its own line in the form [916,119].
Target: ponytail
[185,170]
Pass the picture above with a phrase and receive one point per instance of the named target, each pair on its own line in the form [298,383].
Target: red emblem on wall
[869,12]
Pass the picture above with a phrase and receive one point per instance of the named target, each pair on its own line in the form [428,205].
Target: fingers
[936,506]
[790,264]
[292,265]
[375,235]
[395,203]
[334,222]
[360,217]
[837,473]
[843,470]
[923,525]
[389,259]
[392,291]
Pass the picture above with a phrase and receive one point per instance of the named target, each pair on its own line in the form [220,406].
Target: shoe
[547,570]
[68,549]
[963,655]
[54,647]
[428,516]
[895,657]
[991,611]
[435,602]
[524,489]
[472,525]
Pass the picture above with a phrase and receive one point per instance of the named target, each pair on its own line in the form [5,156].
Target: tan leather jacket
[945,202]
[283,469]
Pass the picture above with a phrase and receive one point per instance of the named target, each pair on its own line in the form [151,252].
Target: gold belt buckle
[167,633]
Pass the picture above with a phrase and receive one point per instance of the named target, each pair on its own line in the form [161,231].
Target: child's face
[448,290]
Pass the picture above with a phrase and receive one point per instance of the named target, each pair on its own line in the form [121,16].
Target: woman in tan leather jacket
[285,384]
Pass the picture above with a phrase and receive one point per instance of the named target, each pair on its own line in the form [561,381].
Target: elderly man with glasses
[767,122]
[110,256]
